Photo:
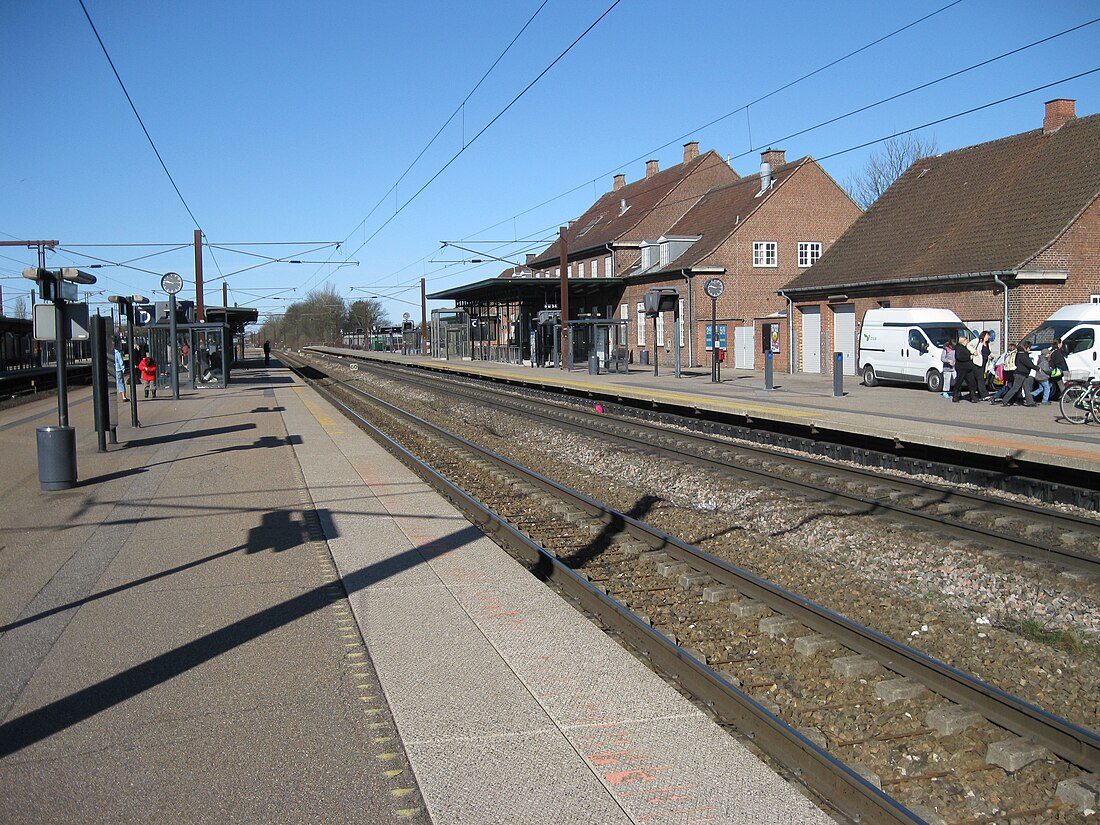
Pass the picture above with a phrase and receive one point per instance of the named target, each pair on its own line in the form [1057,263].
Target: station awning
[233,317]
[525,289]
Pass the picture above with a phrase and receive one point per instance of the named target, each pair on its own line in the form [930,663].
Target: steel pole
[173,347]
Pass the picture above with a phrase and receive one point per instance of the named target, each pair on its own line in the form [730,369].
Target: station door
[811,339]
[844,334]
[744,354]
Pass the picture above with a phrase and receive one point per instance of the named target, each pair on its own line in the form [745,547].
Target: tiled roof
[721,210]
[986,208]
[602,223]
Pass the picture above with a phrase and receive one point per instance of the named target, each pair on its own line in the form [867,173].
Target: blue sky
[285,122]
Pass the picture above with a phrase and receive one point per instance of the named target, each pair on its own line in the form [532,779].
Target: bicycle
[1080,400]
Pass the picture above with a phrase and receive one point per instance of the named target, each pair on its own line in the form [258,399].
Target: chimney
[1059,112]
[774,157]
[530,257]
[652,167]
[691,151]
[620,182]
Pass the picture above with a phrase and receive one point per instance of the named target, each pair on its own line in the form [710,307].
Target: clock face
[714,287]
[171,283]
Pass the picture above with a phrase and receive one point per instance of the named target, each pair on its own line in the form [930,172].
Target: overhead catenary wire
[488,125]
[447,122]
[130,100]
[823,123]
[717,120]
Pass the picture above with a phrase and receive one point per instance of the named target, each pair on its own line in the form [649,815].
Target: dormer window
[650,255]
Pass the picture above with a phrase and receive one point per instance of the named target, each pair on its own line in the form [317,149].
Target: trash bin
[56,458]
[643,357]
[593,365]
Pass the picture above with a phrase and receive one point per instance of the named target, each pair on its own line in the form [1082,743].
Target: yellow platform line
[637,394]
[1013,447]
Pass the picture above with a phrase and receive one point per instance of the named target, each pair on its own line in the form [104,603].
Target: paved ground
[175,642]
[248,612]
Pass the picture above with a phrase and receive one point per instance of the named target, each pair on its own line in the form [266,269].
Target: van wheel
[934,379]
[869,379]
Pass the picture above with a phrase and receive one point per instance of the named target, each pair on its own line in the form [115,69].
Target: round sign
[714,287]
[171,283]
[405,316]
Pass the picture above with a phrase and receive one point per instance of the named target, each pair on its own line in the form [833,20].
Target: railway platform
[905,414]
[247,611]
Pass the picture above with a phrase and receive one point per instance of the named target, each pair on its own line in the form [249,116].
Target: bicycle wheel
[1076,405]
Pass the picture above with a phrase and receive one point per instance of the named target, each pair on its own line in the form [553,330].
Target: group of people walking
[1029,379]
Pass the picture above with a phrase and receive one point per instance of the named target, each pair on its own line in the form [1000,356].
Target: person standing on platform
[120,374]
[964,373]
[267,353]
[148,367]
[947,356]
[982,356]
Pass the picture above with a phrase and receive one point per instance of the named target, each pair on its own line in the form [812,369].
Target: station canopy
[504,290]
[233,317]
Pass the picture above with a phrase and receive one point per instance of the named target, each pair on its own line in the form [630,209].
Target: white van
[1078,325]
[905,345]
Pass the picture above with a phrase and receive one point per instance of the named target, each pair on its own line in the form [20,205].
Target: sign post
[172,283]
[714,287]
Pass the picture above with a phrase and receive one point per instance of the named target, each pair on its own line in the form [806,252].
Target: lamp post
[126,305]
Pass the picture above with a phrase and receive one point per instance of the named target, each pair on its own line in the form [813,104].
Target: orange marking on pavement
[619,777]
[614,757]
[1069,452]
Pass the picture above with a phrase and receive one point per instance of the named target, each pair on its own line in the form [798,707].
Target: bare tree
[364,315]
[19,309]
[884,167]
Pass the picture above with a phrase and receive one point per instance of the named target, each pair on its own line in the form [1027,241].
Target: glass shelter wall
[450,334]
[200,354]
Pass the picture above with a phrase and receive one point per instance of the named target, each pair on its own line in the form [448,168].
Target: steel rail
[630,433]
[1071,742]
[834,781]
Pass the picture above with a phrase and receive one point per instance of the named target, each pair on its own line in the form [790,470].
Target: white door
[844,335]
[742,348]
[811,339]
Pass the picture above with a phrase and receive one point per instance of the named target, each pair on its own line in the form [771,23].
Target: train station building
[672,230]
[1003,233]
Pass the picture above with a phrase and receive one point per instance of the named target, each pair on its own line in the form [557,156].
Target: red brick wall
[809,206]
[1078,251]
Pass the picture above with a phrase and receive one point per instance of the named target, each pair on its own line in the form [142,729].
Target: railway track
[844,707]
[1062,539]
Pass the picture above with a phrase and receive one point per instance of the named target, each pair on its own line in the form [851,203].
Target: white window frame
[641,325]
[765,253]
[682,343]
[608,267]
[808,253]
[580,269]
[660,336]
[1094,299]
